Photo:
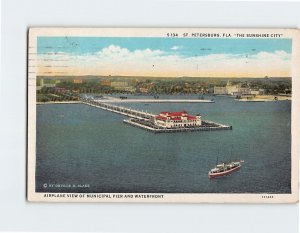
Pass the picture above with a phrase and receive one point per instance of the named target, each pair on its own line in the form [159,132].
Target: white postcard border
[294,34]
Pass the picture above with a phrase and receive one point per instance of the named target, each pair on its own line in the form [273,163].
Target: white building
[177,120]
[232,90]
[227,90]
[220,90]
[262,91]
[129,89]
[43,84]
[122,86]
[245,90]
[119,84]
[254,92]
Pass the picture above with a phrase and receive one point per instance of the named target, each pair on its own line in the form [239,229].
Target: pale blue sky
[185,46]
[195,57]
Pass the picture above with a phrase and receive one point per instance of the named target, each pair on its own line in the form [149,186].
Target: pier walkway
[129,112]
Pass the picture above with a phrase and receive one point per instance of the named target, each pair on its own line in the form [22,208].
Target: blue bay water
[80,145]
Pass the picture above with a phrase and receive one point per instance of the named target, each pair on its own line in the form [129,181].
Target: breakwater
[150,126]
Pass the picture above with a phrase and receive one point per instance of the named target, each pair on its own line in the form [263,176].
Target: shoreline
[59,102]
[154,101]
[148,100]
[115,100]
[262,100]
[255,100]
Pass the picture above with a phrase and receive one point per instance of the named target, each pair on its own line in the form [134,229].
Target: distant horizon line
[130,76]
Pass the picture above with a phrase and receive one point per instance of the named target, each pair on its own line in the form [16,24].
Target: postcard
[171,115]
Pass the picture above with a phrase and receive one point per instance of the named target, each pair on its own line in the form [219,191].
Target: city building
[43,84]
[122,86]
[144,90]
[49,85]
[177,120]
[105,83]
[254,92]
[244,91]
[262,91]
[60,90]
[220,91]
[78,80]
[230,89]
[129,89]
[119,84]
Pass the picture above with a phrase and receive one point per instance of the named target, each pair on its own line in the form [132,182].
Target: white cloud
[114,51]
[278,54]
[175,47]
[117,60]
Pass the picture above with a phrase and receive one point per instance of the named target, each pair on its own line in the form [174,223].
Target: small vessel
[224,169]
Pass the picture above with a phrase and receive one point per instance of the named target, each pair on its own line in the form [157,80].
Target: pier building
[177,120]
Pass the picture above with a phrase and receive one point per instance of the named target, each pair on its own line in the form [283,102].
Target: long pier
[144,120]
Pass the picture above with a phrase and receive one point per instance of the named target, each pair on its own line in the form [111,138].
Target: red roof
[161,117]
[191,118]
[177,113]
[176,118]
[174,113]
